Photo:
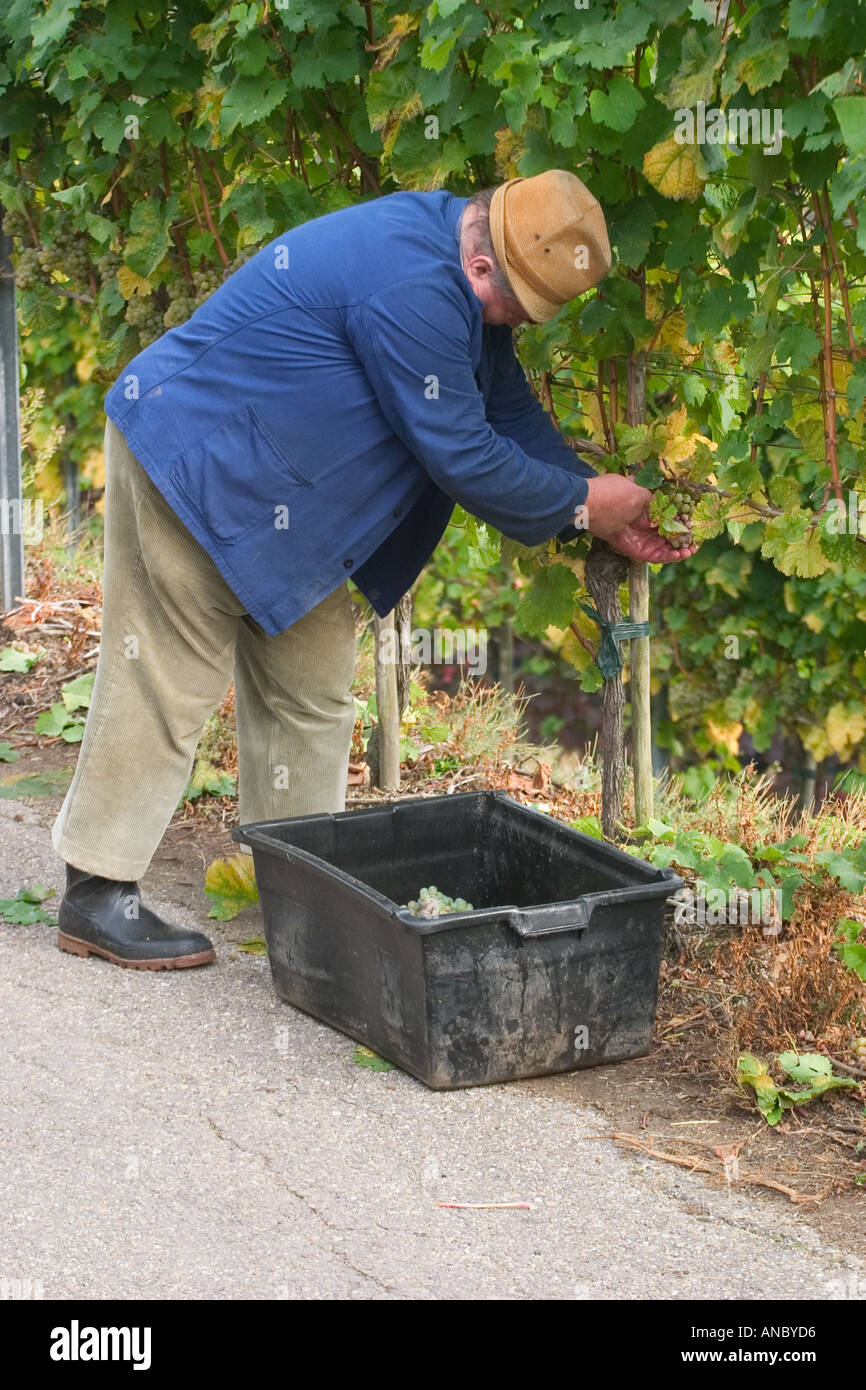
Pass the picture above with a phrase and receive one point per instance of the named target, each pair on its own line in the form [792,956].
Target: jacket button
[348,564]
[398,511]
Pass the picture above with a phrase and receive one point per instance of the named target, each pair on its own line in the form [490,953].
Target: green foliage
[26,907]
[13,660]
[61,720]
[814,1072]
[146,154]
[849,947]
[366,1057]
[718,866]
[49,783]
[7,753]
[255,946]
[207,780]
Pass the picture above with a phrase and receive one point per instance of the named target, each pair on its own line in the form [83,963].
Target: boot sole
[86,948]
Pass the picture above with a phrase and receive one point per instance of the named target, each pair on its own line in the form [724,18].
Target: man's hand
[617,510]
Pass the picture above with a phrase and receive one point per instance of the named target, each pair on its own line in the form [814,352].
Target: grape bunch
[206,280]
[677,529]
[240,259]
[143,313]
[15,224]
[181,308]
[432,903]
[69,253]
[108,265]
[858,1047]
[28,271]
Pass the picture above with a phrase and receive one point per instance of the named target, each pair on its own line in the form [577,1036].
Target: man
[315,420]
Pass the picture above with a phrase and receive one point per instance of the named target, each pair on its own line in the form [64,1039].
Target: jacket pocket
[235,478]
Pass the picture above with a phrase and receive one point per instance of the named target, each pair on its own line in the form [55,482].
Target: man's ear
[481,266]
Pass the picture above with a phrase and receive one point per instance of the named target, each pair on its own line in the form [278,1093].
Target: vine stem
[177,235]
[599,391]
[828,399]
[206,208]
[825,356]
[853,347]
[584,641]
[759,406]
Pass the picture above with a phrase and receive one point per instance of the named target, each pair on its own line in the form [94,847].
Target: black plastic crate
[555,968]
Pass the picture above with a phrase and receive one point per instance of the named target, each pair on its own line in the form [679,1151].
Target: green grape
[28,271]
[143,313]
[433,903]
[677,532]
[179,310]
[15,224]
[206,280]
[68,253]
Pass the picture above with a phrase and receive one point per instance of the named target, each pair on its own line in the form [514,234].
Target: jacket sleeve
[514,411]
[414,341]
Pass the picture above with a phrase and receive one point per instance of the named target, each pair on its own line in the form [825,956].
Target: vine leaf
[676,170]
[231,884]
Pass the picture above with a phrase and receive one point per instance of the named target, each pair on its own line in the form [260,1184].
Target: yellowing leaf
[725,355]
[672,334]
[814,738]
[677,171]
[845,728]
[402,25]
[753,714]
[129,283]
[510,148]
[725,735]
[592,417]
[231,883]
[842,369]
[794,546]
[813,620]
[679,446]
[391,121]
[208,102]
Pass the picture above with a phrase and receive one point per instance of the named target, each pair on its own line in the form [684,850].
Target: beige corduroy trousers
[174,636]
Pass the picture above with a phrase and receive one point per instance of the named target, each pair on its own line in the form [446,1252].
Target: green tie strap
[609,660]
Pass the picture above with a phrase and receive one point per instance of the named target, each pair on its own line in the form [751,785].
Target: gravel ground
[186,1135]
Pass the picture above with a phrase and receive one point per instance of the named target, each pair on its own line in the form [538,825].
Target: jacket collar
[453,212]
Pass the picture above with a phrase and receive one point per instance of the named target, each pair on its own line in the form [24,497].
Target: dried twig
[700,1165]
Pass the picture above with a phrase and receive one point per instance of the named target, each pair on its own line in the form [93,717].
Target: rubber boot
[106,917]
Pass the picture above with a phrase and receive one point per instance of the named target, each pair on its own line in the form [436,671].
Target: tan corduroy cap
[550,239]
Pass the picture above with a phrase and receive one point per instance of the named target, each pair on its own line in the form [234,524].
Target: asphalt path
[184,1135]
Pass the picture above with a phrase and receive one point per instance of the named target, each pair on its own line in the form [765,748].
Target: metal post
[11,511]
[70,484]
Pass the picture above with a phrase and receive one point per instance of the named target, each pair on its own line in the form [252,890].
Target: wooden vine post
[393,668]
[387,705]
[638,611]
[606,570]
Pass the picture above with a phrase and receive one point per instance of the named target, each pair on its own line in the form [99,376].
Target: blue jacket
[318,417]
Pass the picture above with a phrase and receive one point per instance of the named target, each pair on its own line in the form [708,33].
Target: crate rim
[663,882]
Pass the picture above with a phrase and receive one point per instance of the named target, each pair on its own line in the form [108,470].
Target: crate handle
[555,917]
